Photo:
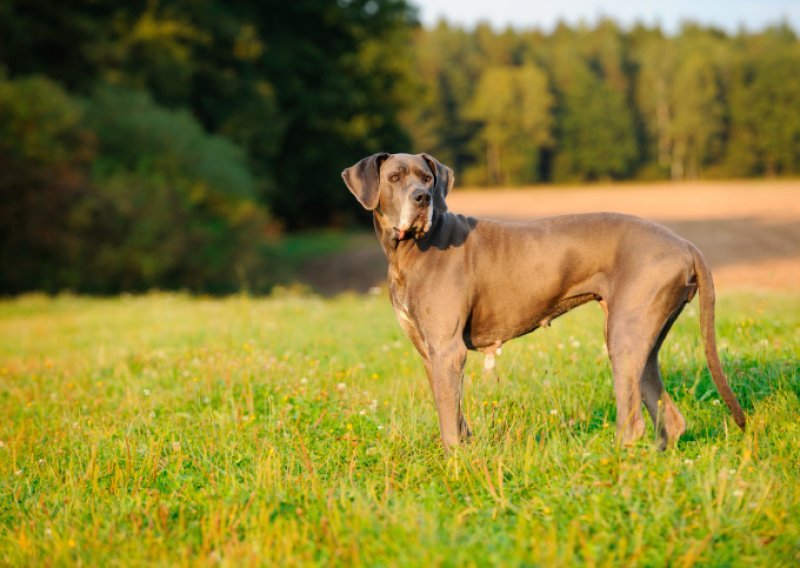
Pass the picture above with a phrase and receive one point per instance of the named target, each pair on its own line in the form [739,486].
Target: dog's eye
[394,177]
[426,178]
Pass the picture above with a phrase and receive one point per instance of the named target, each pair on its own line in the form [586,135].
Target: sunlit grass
[296,430]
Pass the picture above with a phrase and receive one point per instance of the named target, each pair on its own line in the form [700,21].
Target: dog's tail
[705,284]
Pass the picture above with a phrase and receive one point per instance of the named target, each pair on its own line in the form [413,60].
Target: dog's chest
[402,313]
[402,304]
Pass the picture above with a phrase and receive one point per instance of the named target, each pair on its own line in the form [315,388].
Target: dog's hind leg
[669,423]
[632,336]
[638,321]
[628,360]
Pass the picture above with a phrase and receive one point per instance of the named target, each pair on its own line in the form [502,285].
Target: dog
[460,283]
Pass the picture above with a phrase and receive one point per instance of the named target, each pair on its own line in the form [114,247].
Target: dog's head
[406,189]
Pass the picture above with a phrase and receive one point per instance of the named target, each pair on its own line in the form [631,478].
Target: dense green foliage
[101,200]
[152,144]
[166,430]
[160,144]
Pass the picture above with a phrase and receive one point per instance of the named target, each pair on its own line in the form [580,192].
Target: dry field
[748,230]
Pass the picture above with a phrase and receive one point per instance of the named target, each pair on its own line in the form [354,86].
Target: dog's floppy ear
[444,181]
[363,179]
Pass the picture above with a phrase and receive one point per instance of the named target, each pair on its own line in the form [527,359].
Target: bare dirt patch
[748,230]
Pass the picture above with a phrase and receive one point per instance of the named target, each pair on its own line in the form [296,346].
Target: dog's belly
[489,327]
[515,298]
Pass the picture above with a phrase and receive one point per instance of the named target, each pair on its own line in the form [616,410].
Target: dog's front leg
[446,374]
[444,366]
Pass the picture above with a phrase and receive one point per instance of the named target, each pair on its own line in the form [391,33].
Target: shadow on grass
[753,380]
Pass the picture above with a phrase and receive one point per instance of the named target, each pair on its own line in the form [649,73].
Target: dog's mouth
[406,234]
[417,229]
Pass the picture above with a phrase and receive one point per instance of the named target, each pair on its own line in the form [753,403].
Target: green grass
[167,429]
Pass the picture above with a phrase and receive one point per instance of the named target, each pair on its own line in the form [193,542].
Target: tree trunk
[678,157]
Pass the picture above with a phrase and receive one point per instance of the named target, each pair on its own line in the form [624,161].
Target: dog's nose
[421,197]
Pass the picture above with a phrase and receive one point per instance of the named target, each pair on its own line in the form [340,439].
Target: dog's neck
[395,248]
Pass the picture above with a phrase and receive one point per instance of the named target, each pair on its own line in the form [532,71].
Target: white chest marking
[402,313]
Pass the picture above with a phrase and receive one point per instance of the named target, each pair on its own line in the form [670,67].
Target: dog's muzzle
[416,215]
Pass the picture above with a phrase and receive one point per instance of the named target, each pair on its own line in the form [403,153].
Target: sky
[730,15]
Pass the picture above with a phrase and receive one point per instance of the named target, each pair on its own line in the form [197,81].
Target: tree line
[602,103]
[147,144]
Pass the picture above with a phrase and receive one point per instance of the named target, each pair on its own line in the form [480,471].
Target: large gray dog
[460,283]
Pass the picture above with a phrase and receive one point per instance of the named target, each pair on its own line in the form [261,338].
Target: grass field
[293,430]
